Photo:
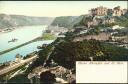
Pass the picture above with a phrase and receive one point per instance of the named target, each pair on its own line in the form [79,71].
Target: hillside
[66,52]
[66,21]
[122,20]
[118,20]
[7,21]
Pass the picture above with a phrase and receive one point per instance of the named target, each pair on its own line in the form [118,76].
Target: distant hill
[7,21]
[66,21]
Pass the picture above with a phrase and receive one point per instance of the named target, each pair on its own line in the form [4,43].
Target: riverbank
[15,28]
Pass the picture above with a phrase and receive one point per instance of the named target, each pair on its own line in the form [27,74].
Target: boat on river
[13,40]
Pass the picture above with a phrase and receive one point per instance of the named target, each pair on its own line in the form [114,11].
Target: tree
[67,53]
[47,77]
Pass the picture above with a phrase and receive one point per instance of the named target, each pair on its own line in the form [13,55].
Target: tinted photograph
[40,41]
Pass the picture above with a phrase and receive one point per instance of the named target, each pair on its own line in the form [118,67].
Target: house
[124,11]
[84,31]
[18,58]
[49,31]
[99,11]
[117,11]
[117,27]
[0,30]
[108,20]
[119,38]
[103,11]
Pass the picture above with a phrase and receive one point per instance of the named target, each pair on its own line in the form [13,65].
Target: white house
[117,27]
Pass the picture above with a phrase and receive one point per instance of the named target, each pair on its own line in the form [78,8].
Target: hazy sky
[54,8]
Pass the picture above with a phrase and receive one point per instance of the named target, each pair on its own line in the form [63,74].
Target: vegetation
[121,32]
[47,77]
[101,26]
[3,66]
[66,21]
[43,53]
[30,55]
[48,36]
[67,53]
[21,79]
[94,31]
[122,20]
[83,21]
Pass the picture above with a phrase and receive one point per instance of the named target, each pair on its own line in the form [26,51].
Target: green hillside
[66,21]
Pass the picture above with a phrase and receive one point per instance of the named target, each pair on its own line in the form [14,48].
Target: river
[23,34]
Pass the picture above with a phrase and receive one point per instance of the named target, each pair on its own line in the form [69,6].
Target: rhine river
[23,34]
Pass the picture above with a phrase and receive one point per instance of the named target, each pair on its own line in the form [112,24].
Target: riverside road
[16,65]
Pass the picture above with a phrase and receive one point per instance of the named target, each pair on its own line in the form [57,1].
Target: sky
[54,8]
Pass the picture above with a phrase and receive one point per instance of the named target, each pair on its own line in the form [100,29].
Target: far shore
[19,27]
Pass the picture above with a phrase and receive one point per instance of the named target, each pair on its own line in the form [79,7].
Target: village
[103,16]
